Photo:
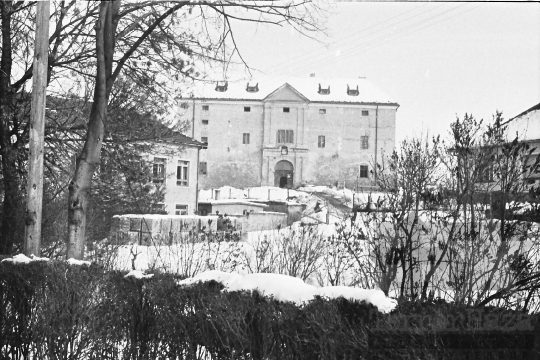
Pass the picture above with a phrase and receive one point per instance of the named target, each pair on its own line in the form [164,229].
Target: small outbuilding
[230,207]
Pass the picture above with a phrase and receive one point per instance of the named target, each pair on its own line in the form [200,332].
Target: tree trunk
[34,192]
[10,177]
[80,185]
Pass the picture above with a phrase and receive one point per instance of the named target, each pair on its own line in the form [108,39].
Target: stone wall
[147,229]
[259,221]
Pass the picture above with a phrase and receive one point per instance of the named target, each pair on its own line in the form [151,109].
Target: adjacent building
[287,132]
[175,160]
[527,127]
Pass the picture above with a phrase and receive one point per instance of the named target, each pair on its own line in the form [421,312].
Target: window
[245,139]
[203,168]
[364,142]
[322,111]
[181,209]
[222,88]
[247,108]
[206,107]
[485,174]
[252,89]
[321,141]
[364,171]
[182,173]
[136,168]
[352,92]
[205,122]
[324,91]
[365,113]
[285,137]
[158,170]
[204,139]
[158,207]
[286,109]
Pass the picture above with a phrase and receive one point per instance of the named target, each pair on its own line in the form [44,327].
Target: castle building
[287,132]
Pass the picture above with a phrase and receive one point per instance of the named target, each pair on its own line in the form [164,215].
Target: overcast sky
[437,60]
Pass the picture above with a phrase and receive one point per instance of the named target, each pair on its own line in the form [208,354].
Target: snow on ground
[344,195]
[316,210]
[290,289]
[23,259]
[257,250]
[138,274]
[303,195]
[254,193]
[76,262]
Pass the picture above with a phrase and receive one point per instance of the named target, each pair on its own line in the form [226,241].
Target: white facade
[284,132]
[175,167]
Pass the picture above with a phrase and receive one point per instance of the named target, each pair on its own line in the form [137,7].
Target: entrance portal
[283,174]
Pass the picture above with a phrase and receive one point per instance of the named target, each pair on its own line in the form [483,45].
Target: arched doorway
[283,174]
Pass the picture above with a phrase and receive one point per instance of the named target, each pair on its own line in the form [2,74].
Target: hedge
[51,310]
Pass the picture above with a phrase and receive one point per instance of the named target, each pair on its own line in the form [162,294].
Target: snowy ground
[296,250]
[302,195]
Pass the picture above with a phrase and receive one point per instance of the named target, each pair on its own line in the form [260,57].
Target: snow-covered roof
[231,202]
[526,124]
[307,87]
[535,107]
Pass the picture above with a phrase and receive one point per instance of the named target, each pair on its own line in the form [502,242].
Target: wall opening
[284,174]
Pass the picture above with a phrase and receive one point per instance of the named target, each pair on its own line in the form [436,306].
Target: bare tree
[17,40]
[149,31]
[150,43]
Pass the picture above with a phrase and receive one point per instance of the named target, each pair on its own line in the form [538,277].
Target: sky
[437,60]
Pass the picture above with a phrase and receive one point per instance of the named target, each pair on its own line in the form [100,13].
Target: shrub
[51,310]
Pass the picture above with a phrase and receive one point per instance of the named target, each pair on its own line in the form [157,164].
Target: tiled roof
[308,87]
[72,115]
[181,139]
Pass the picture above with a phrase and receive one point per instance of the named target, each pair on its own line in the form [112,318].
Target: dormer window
[324,91]
[222,88]
[252,89]
[352,92]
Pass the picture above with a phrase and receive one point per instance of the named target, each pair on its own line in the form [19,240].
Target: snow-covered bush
[66,310]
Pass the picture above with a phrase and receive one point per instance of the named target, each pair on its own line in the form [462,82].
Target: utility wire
[353,35]
[316,64]
[377,42]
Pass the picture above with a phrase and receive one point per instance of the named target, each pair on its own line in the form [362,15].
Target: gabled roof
[177,138]
[308,87]
[526,124]
[71,115]
[287,93]
[535,107]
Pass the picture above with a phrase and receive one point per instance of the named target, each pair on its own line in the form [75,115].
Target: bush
[51,310]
